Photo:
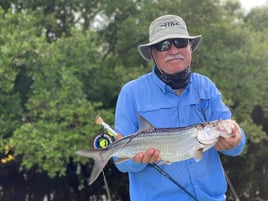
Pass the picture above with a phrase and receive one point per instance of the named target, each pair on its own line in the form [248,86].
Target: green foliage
[258,19]
[45,114]
[57,18]
[15,44]
[58,72]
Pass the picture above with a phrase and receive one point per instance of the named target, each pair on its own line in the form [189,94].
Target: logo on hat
[170,24]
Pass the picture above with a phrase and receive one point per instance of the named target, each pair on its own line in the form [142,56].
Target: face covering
[176,80]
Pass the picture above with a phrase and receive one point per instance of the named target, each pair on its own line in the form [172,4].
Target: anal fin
[120,160]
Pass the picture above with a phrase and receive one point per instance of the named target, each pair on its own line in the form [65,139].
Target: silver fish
[174,144]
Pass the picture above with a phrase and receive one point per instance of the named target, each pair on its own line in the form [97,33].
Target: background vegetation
[63,62]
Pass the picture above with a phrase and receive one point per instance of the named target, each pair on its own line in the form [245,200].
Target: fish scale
[178,148]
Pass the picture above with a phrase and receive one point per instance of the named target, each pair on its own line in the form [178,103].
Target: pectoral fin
[198,154]
[162,162]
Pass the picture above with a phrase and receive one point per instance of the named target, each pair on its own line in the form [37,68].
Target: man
[172,96]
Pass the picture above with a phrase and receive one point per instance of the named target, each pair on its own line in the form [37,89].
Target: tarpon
[174,144]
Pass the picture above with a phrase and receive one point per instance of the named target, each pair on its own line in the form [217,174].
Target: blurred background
[63,62]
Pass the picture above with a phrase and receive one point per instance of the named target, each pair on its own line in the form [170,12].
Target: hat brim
[143,49]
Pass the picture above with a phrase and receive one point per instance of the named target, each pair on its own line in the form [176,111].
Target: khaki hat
[167,27]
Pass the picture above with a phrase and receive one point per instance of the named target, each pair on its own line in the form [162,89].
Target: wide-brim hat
[167,27]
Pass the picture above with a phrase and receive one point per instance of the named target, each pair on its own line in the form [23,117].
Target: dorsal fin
[144,124]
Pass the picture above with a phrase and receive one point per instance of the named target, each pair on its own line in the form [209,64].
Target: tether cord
[163,172]
[231,187]
[109,198]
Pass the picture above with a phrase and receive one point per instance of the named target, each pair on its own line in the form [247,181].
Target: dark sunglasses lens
[181,43]
[163,46]
[166,45]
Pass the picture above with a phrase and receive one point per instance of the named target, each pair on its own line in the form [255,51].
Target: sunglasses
[166,44]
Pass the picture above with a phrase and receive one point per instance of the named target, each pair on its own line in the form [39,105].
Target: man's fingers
[151,155]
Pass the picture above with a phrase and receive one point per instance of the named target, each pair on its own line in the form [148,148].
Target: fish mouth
[227,128]
[205,138]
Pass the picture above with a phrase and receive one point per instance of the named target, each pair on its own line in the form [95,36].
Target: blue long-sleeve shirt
[200,101]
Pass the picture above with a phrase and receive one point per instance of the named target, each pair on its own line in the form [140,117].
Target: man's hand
[230,142]
[151,155]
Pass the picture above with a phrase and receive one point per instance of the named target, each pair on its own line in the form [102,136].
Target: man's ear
[150,53]
[191,46]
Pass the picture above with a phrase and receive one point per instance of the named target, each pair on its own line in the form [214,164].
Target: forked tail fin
[99,161]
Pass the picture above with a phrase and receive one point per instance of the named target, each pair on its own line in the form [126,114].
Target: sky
[248,4]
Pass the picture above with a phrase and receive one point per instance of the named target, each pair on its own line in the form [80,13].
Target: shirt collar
[164,87]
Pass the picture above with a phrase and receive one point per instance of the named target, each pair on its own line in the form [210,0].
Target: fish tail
[99,161]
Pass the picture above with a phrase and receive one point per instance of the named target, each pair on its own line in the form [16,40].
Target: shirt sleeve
[126,122]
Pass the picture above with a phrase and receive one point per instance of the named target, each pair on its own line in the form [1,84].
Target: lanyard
[163,172]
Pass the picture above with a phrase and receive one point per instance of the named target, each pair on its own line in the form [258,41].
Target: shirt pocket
[199,112]
[193,113]
[159,114]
